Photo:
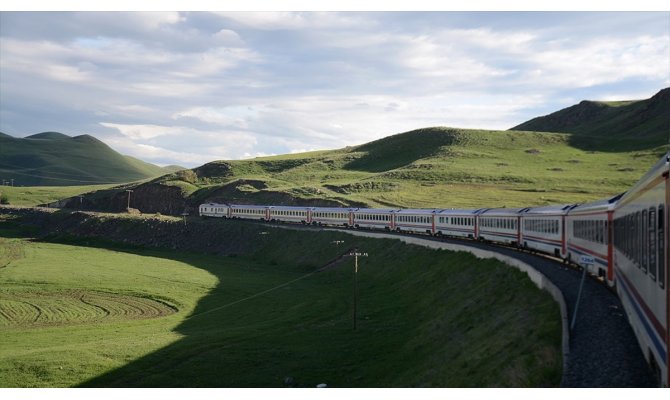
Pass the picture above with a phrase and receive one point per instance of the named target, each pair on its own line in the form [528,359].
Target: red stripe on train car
[604,257]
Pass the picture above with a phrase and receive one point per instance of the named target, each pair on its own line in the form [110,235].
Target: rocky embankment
[191,234]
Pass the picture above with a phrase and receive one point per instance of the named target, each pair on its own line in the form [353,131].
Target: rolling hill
[610,126]
[600,149]
[55,159]
[432,167]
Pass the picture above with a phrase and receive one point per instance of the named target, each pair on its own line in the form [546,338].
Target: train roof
[596,206]
[249,206]
[333,209]
[421,211]
[213,205]
[659,168]
[466,212]
[502,212]
[549,210]
[375,210]
[297,208]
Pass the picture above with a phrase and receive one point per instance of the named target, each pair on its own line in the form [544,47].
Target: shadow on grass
[226,343]
[410,319]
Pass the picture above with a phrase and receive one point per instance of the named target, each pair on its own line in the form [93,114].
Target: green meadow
[85,312]
[34,195]
[433,167]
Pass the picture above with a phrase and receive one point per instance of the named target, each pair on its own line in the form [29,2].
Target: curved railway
[623,240]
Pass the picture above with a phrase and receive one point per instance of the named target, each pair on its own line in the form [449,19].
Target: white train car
[214,210]
[415,220]
[458,223]
[543,229]
[333,216]
[373,218]
[641,263]
[500,225]
[291,214]
[246,211]
[588,235]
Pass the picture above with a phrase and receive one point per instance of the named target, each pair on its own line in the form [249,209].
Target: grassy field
[80,312]
[433,167]
[428,168]
[34,195]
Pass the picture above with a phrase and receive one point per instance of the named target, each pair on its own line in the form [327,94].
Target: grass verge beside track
[426,317]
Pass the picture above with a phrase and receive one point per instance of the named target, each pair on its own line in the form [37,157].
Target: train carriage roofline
[376,210]
[603,205]
[334,209]
[417,211]
[652,174]
[502,212]
[562,209]
[457,212]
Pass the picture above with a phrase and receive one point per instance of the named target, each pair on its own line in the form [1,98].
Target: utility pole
[356,254]
[129,192]
[12,182]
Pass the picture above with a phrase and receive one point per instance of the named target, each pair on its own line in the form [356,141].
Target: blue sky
[191,87]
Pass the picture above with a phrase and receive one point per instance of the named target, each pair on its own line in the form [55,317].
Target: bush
[4,199]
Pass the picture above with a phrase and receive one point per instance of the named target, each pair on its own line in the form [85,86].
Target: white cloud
[192,87]
[278,20]
[139,132]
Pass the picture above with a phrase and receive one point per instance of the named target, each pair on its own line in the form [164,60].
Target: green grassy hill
[610,145]
[611,126]
[55,159]
[79,311]
[432,167]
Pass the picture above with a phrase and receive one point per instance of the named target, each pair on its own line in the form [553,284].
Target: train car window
[645,241]
[638,240]
[601,232]
[661,246]
[652,243]
[631,235]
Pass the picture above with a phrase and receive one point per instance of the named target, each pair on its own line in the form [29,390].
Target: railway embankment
[601,350]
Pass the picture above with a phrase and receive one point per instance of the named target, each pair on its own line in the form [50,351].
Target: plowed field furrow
[27,308]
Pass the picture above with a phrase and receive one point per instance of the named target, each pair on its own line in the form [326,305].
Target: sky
[192,87]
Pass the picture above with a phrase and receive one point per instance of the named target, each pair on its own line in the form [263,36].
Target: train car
[589,235]
[333,216]
[214,210]
[500,225]
[543,229]
[373,218]
[641,263]
[415,220]
[291,214]
[457,223]
[247,211]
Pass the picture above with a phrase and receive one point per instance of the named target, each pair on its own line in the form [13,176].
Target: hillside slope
[55,159]
[432,167]
[636,124]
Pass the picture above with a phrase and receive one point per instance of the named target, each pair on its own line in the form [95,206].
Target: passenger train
[623,240]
